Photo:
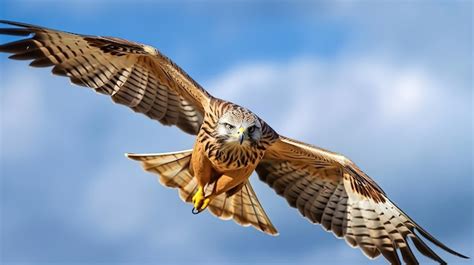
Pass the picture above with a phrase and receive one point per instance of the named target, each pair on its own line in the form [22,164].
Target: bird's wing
[330,190]
[133,74]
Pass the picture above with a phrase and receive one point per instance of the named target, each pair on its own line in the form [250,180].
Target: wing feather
[330,190]
[132,74]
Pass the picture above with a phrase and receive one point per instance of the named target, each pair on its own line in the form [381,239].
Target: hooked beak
[240,134]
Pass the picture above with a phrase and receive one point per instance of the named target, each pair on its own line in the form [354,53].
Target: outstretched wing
[133,74]
[330,190]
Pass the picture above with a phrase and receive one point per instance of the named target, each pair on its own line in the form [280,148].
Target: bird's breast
[226,158]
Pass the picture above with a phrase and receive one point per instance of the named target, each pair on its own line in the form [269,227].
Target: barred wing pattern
[330,190]
[173,171]
[133,74]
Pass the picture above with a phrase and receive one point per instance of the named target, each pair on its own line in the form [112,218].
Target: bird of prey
[231,143]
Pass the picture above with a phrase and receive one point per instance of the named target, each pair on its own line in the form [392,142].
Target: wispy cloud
[311,95]
[22,111]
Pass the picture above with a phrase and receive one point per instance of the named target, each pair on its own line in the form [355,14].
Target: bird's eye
[229,126]
[251,129]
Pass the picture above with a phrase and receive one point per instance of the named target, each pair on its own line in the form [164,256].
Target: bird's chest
[225,159]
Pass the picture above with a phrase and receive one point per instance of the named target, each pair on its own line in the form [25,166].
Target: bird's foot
[200,201]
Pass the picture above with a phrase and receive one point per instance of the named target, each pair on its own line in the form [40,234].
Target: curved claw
[200,205]
[195,211]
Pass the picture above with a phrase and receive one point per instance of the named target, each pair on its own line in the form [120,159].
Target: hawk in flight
[231,143]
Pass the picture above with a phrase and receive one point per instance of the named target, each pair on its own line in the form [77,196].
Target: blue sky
[387,84]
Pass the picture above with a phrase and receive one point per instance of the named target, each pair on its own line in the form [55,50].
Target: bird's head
[238,126]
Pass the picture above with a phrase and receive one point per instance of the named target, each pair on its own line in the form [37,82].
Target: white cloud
[115,206]
[22,110]
[310,95]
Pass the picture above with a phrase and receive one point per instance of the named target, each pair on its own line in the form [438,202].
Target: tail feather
[244,208]
[172,168]
[173,171]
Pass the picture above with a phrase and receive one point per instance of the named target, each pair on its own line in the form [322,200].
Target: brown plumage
[231,142]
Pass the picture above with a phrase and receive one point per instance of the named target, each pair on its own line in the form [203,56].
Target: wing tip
[15,23]
[132,156]
[438,243]
[7,22]
[273,233]
[428,236]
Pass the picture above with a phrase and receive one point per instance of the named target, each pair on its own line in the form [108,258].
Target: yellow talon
[198,196]
[200,202]
[204,205]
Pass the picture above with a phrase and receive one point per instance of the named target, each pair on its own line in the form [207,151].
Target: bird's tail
[172,169]
[174,172]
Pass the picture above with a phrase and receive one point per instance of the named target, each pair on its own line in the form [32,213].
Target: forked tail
[173,170]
